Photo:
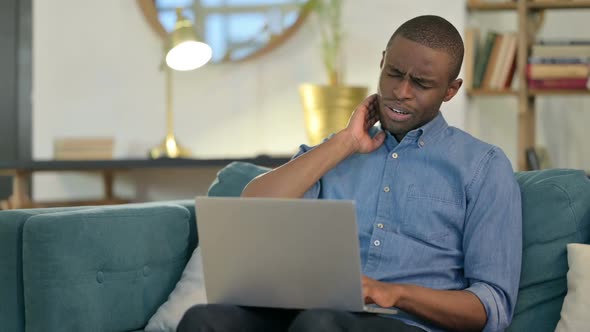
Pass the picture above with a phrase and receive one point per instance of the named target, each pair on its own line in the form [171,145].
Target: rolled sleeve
[493,239]
[492,303]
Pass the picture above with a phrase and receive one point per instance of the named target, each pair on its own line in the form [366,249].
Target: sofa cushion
[189,291]
[556,211]
[233,178]
[101,269]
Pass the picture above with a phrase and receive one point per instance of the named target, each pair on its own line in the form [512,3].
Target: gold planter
[327,109]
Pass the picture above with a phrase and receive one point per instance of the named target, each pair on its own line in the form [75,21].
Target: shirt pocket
[432,213]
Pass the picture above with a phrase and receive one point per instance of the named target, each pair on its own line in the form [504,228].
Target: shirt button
[380,225]
[386,189]
[394,155]
[377,243]
[421,143]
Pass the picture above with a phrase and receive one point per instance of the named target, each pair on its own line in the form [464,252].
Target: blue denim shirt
[439,209]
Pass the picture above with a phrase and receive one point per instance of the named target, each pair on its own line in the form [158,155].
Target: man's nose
[403,90]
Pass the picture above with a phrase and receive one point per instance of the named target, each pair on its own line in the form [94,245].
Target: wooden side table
[22,171]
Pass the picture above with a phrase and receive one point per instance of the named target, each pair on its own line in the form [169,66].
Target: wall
[102,78]
[96,73]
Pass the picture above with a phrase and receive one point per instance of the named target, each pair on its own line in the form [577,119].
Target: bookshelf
[529,14]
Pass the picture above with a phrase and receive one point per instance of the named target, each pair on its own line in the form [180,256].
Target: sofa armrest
[103,269]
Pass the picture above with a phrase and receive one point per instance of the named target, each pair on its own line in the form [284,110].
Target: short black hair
[437,33]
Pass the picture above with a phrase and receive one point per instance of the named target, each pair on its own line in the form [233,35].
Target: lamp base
[169,149]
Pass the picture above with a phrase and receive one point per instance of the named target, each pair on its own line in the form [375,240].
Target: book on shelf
[561,41]
[560,51]
[551,1]
[482,58]
[471,42]
[560,84]
[83,148]
[476,2]
[548,71]
[495,62]
[532,158]
[507,65]
[559,60]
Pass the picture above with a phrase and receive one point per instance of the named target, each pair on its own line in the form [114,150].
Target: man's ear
[382,60]
[453,89]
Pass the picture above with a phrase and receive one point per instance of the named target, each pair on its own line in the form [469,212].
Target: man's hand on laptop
[382,294]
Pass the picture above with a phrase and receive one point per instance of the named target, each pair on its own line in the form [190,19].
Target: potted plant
[327,107]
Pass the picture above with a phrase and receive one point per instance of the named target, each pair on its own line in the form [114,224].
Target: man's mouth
[398,115]
[398,111]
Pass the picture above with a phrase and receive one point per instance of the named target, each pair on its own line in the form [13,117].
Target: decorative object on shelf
[184,52]
[236,30]
[83,148]
[327,108]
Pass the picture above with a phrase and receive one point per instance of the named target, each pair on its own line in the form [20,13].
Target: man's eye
[420,85]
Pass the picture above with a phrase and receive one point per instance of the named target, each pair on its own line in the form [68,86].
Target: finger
[369,101]
[374,112]
[370,121]
[379,139]
[373,118]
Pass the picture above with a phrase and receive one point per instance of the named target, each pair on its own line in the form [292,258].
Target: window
[233,28]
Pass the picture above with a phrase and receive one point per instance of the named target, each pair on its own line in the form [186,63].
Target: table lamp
[184,52]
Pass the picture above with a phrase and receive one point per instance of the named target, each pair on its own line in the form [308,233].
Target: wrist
[348,141]
[400,294]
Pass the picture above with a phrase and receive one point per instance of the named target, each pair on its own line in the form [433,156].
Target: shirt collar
[422,136]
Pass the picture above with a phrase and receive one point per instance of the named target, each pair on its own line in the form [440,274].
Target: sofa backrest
[556,211]
[89,268]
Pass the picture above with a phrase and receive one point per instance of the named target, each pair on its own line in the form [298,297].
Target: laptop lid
[283,253]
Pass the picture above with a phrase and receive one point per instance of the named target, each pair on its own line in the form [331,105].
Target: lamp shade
[186,52]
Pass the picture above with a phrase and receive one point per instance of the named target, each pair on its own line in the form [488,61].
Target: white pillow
[189,290]
[575,313]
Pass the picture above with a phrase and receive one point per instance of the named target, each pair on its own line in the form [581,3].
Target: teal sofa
[109,268]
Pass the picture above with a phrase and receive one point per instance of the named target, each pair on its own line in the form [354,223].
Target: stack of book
[83,148]
[494,63]
[559,64]
[554,1]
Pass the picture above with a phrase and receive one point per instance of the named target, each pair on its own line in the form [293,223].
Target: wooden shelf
[534,92]
[508,5]
[490,92]
[491,6]
[559,92]
[559,4]
[525,11]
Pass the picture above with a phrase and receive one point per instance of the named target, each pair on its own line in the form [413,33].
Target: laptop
[281,253]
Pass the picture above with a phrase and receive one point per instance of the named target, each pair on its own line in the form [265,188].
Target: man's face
[414,82]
